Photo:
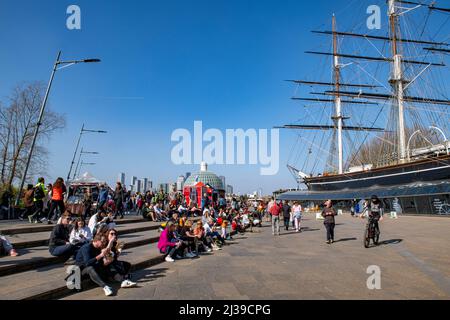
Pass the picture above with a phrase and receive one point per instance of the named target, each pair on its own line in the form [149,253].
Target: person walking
[275,211]
[58,191]
[40,192]
[329,213]
[118,200]
[28,203]
[286,214]
[297,216]
[102,197]
[87,202]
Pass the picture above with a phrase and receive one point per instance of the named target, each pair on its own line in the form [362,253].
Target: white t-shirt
[75,235]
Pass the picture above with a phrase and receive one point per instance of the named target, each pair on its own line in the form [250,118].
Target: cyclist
[375,211]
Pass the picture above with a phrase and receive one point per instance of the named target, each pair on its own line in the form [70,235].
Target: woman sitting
[189,239]
[117,269]
[80,233]
[168,244]
[202,241]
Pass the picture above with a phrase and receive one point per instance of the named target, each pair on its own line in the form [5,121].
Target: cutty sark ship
[412,145]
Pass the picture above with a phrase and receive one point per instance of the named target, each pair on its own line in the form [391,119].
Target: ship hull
[433,169]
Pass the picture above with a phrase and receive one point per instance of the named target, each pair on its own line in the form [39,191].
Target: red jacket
[275,210]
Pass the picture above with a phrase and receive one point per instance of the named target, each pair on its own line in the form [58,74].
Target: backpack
[39,193]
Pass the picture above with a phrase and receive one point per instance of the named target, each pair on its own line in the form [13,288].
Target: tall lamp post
[82,131]
[79,158]
[57,66]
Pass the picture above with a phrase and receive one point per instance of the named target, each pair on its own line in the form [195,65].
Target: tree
[17,125]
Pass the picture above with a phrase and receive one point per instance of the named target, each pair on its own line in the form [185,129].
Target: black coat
[60,235]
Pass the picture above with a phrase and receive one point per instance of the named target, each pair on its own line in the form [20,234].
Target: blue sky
[164,65]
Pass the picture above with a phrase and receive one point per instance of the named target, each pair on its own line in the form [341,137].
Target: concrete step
[39,257]
[25,227]
[48,282]
[36,239]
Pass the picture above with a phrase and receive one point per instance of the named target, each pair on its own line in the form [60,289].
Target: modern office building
[133,184]
[222,178]
[145,185]
[229,189]
[180,183]
[149,185]
[164,187]
[138,187]
[121,178]
[188,174]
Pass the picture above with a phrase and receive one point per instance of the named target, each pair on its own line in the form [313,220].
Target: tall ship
[381,117]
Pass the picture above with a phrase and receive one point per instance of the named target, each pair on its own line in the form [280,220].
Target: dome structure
[206,177]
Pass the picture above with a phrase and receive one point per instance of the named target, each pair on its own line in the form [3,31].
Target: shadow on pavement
[392,241]
[346,239]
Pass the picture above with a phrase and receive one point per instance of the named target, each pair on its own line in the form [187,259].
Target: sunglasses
[112,233]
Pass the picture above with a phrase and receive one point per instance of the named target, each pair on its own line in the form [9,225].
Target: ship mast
[337,99]
[397,82]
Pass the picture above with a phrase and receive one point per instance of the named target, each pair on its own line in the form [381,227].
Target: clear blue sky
[164,65]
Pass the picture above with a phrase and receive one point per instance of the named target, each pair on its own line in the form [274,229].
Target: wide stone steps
[40,257]
[11,229]
[48,282]
[36,239]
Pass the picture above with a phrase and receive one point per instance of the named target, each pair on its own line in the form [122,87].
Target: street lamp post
[78,163]
[64,64]
[83,130]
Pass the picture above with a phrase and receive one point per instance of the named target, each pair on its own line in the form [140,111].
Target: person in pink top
[168,244]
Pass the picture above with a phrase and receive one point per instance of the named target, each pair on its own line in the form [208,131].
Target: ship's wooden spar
[332,84]
[437,50]
[375,58]
[430,6]
[328,100]
[366,36]
[329,127]
[384,97]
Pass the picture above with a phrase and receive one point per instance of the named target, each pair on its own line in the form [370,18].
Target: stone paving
[414,258]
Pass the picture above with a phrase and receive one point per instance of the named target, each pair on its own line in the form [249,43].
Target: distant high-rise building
[180,183]
[138,185]
[133,184]
[222,178]
[229,189]
[172,187]
[188,174]
[164,187]
[149,185]
[121,178]
[144,185]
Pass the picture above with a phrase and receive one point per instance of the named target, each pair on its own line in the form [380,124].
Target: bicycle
[371,232]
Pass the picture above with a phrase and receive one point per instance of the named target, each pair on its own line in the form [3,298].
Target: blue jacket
[86,256]
[103,195]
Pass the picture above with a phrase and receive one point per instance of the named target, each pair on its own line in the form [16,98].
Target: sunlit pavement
[413,257]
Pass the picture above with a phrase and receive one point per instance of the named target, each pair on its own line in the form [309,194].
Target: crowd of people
[90,240]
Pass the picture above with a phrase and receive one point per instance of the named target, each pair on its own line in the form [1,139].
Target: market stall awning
[397,191]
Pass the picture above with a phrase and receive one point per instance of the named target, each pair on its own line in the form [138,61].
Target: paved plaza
[413,256]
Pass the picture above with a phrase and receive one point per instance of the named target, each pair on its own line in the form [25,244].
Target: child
[224,233]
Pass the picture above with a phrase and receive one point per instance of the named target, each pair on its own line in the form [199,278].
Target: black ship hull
[433,169]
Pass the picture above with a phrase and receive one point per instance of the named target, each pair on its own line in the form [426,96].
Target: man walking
[286,214]
[275,211]
[40,192]
[329,213]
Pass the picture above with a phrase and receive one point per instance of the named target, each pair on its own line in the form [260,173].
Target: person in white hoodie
[80,234]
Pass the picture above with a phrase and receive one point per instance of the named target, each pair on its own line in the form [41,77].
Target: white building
[180,183]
